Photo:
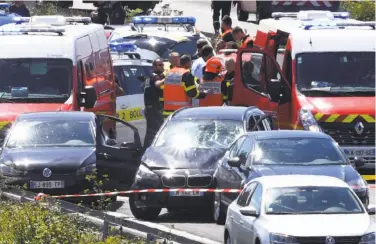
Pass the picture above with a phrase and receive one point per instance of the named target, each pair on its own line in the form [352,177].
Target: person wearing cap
[180,87]
[228,82]
[239,36]
[226,27]
[152,93]
[211,83]
[19,8]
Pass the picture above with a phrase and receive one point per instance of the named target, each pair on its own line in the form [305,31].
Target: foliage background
[360,10]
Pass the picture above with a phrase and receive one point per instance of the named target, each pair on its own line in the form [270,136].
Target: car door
[226,177]
[118,160]
[246,230]
[235,215]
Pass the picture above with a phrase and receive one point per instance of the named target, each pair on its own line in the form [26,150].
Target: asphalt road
[194,223]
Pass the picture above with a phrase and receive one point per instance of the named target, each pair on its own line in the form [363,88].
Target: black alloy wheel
[219,213]
[146,213]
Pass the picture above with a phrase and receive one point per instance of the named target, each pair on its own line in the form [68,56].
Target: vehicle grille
[321,240]
[345,134]
[173,181]
[199,180]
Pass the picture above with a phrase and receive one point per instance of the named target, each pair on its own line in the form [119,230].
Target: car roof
[72,115]
[281,134]
[276,181]
[214,112]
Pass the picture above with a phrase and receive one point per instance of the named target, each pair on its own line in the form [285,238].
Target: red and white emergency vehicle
[324,79]
[53,63]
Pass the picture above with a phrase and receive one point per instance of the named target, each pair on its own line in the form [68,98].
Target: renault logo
[47,172]
[359,128]
[329,240]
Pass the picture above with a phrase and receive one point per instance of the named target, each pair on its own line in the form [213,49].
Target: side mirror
[234,162]
[89,97]
[127,145]
[371,210]
[141,78]
[359,162]
[249,211]
[111,142]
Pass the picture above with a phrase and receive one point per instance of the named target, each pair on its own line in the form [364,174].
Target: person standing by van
[118,14]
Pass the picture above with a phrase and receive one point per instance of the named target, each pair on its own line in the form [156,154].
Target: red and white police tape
[115,193]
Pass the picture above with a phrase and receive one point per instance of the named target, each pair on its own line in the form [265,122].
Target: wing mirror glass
[359,162]
[111,142]
[234,162]
[89,97]
[249,211]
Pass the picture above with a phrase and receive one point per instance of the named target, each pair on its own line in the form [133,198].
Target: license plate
[359,152]
[186,194]
[46,184]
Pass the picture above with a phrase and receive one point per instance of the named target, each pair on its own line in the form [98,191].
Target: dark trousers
[220,8]
[154,120]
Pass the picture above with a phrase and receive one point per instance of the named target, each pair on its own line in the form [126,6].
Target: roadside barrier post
[105,228]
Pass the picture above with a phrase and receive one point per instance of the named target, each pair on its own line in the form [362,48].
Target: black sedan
[52,152]
[185,153]
[282,152]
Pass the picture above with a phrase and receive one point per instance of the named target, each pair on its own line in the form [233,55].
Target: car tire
[219,212]
[147,213]
[228,239]
[242,15]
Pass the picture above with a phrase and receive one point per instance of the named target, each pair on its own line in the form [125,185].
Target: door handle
[105,155]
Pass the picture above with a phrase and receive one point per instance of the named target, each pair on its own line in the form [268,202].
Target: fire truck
[314,70]
[264,9]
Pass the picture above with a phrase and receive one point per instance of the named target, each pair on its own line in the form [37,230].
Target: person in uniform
[180,87]
[153,115]
[220,8]
[228,82]
[19,8]
[102,14]
[245,39]
[226,27]
[118,14]
[207,53]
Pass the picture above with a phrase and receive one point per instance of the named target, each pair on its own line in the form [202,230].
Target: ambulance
[317,72]
[55,63]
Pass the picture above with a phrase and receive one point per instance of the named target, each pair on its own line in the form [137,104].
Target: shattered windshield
[200,133]
[336,72]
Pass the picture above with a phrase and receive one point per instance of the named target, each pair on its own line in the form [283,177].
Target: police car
[131,67]
[5,16]
[161,34]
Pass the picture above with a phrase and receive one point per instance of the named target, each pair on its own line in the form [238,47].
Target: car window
[245,150]
[263,125]
[251,72]
[128,77]
[235,148]
[244,195]
[51,133]
[255,199]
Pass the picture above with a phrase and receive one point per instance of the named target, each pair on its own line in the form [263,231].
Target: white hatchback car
[298,209]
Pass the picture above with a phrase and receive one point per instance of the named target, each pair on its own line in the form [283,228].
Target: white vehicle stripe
[301,3]
[315,3]
[287,3]
[327,3]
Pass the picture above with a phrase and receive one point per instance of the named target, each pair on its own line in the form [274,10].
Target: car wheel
[146,213]
[228,239]
[242,15]
[219,214]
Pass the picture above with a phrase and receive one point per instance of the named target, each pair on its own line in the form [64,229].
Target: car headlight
[308,120]
[280,238]
[368,239]
[7,169]
[145,173]
[358,184]
[88,169]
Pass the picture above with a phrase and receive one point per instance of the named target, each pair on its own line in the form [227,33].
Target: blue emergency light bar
[190,20]
[4,5]
[122,47]
[20,20]
[326,25]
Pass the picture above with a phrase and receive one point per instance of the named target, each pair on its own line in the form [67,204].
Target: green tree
[361,10]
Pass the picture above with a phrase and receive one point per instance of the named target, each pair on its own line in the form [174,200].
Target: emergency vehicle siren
[122,47]
[190,20]
[311,15]
[4,5]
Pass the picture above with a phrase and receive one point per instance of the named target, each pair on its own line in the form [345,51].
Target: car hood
[318,224]
[343,172]
[339,105]
[10,111]
[61,159]
[173,158]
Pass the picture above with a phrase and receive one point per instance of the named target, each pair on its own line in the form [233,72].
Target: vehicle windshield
[55,133]
[297,151]
[128,77]
[163,46]
[354,73]
[311,200]
[36,80]
[199,133]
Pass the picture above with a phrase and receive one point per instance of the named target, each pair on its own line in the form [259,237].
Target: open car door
[118,160]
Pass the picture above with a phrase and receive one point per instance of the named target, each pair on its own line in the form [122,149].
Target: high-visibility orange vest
[246,41]
[226,32]
[214,94]
[173,92]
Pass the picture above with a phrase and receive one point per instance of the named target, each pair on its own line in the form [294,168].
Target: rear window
[128,77]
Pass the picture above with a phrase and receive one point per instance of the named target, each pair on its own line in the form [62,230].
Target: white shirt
[197,67]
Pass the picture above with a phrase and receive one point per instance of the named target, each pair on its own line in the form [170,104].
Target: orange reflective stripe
[225,33]
[214,95]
